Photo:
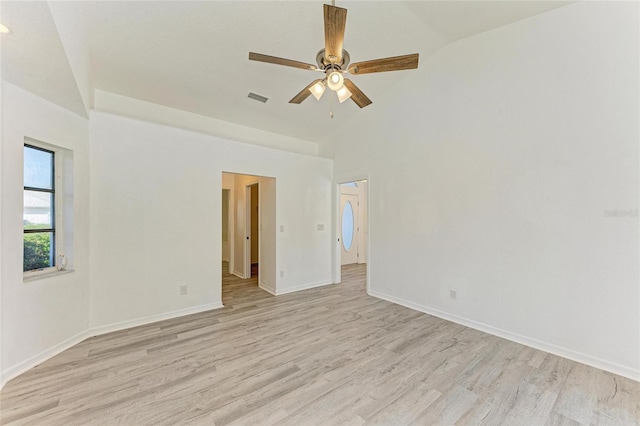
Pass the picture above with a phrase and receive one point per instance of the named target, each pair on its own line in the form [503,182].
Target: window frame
[56,219]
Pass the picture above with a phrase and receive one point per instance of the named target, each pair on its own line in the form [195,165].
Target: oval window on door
[347,226]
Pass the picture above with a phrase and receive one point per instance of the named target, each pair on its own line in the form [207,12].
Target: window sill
[34,277]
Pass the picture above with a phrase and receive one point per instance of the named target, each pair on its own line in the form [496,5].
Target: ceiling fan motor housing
[324,63]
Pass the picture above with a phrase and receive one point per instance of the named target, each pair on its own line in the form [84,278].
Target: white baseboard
[580,357]
[31,362]
[117,326]
[303,287]
[266,288]
[238,274]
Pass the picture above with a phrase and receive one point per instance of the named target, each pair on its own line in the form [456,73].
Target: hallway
[238,290]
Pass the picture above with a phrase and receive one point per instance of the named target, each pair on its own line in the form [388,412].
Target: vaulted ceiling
[193,55]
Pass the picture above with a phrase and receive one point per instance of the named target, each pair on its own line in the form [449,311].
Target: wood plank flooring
[325,356]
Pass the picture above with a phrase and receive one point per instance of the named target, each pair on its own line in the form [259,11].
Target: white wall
[492,167]
[154,113]
[240,233]
[41,317]
[363,242]
[268,235]
[226,247]
[151,183]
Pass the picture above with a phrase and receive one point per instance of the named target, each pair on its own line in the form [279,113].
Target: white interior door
[349,228]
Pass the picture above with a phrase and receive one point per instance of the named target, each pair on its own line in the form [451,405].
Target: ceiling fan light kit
[333,60]
[318,89]
[343,94]
[335,80]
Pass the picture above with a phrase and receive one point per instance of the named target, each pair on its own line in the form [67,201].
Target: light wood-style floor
[331,355]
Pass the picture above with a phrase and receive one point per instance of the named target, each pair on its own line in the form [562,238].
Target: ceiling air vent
[257,97]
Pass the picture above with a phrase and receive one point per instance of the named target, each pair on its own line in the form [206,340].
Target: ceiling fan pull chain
[331,107]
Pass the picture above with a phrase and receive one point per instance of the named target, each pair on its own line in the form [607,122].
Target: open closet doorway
[353,230]
[252,248]
[249,245]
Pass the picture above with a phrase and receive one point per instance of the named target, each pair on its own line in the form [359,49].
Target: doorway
[252,218]
[352,227]
[249,244]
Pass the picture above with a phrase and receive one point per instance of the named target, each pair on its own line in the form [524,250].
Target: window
[39,209]
[347,226]
[47,210]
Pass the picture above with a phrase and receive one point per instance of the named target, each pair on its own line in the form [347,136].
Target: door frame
[272,200]
[337,254]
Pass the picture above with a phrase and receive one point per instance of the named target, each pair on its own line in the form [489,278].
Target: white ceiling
[193,55]
[33,56]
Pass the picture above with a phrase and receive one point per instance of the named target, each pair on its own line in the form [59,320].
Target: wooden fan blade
[335,19]
[396,63]
[280,61]
[304,93]
[357,95]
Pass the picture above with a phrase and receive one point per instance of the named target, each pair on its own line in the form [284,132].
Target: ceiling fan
[333,61]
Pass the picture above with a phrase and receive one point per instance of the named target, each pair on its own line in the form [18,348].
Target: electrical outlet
[321,227]
[281,228]
[453,294]
[281,274]
[184,289]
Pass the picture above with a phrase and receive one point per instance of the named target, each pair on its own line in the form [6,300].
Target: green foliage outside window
[37,249]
